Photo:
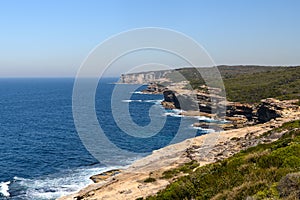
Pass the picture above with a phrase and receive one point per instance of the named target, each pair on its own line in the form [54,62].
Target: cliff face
[144,77]
[239,115]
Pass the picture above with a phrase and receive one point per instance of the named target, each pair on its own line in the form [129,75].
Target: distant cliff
[144,77]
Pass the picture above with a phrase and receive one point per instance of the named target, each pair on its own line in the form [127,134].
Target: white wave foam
[137,92]
[4,187]
[54,186]
[145,101]
[176,113]
[203,118]
[204,129]
[128,101]
[153,101]
[173,114]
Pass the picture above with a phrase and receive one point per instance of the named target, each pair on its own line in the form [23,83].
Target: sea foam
[4,187]
[56,185]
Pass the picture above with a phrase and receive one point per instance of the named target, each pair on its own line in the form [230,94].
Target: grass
[267,171]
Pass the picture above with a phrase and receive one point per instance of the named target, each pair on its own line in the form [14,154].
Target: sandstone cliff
[144,77]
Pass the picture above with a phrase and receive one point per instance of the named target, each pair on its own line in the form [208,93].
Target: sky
[51,38]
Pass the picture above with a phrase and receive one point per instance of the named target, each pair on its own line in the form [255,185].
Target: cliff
[145,77]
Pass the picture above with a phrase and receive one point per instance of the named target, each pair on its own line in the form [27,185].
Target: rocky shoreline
[201,103]
[248,127]
[130,183]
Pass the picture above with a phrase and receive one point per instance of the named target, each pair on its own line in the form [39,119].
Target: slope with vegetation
[266,171]
[249,84]
[280,84]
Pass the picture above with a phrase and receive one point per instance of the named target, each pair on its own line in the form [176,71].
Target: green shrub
[149,180]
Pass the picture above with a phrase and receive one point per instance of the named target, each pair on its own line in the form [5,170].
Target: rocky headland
[247,126]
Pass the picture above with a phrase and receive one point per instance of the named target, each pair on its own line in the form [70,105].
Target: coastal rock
[238,114]
[154,88]
[237,121]
[170,97]
[168,105]
[105,175]
[187,102]
[182,101]
[268,109]
[236,108]
[204,125]
[144,77]
[197,113]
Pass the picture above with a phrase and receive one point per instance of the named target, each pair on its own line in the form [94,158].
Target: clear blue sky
[52,37]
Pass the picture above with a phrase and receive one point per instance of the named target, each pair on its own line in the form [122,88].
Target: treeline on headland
[249,84]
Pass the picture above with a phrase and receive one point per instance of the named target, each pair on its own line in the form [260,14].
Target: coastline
[130,183]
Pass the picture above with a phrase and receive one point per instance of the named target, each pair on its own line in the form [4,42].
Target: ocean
[41,153]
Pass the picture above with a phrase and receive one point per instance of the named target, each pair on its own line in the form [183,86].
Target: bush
[186,168]
[149,180]
[289,185]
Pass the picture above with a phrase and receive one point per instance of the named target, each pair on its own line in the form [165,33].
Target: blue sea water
[41,154]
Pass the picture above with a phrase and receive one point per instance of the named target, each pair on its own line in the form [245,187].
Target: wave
[154,101]
[205,119]
[4,188]
[176,113]
[210,120]
[55,185]
[173,114]
[205,130]
[128,101]
[142,101]
[137,92]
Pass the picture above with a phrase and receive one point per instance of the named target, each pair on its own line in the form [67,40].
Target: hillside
[249,84]
[266,171]
[282,84]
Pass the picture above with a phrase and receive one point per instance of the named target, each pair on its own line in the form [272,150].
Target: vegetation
[192,74]
[249,83]
[267,171]
[186,168]
[149,180]
[282,84]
